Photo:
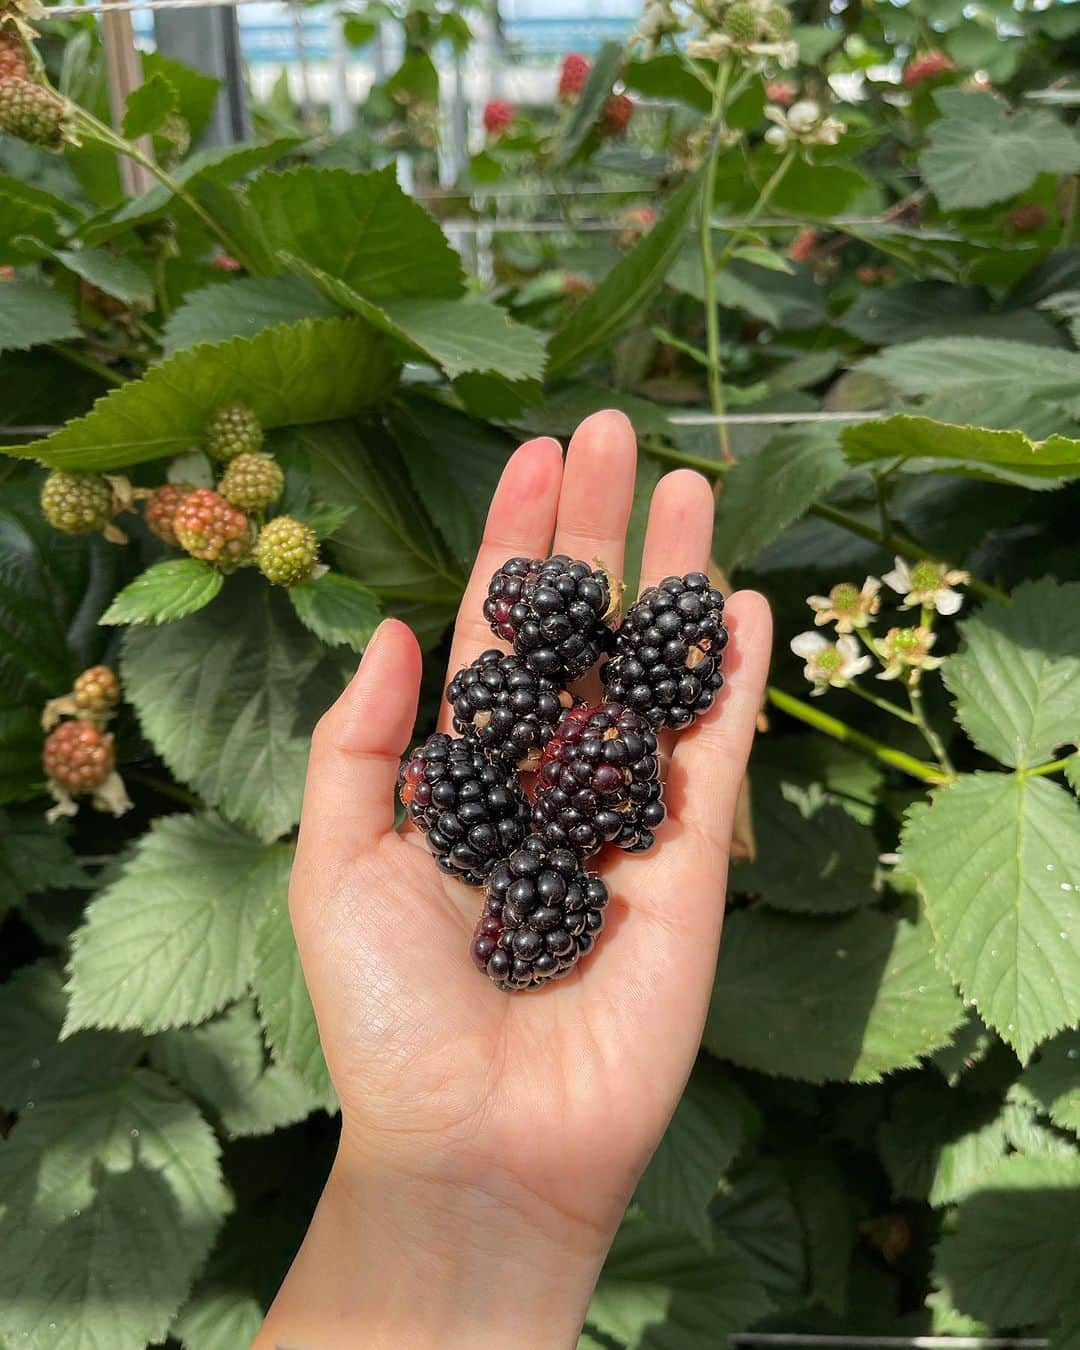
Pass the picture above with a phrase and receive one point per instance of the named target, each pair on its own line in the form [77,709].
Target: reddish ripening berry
[866,275]
[498,116]
[12,55]
[7,272]
[780,93]
[96,691]
[574,74]
[78,756]
[161,508]
[574,286]
[209,528]
[222,262]
[1027,218]
[616,114]
[928,66]
[803,245]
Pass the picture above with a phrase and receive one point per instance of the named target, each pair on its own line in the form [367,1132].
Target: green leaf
[217,164]
[627,288]
[219,1318]
[236,728]
[23,222]
[337,609]
[938,1144]
[459,336]
[284,1005]
[34,856]
[997,859]
[590,101]
[867,984]
[924,445]
[435,441]
[828,1211]
[1051,1083]
[196,91]
[755,1213]
[980,152]
[221,1064]
[764,257]
[662,1291]
[953,365]
[311,371]
[360,228]
[705,1133]
[31,313]
[172,940]
[1016,679]
[148,106]
[168,590]
[242,308]
[766,491]
[35,1066]
[109,1204]
[812,856]
[665,76]
[118,277]
[388,543]
[935,309]
[1016,1249]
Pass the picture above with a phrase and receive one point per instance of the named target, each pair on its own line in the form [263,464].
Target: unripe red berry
[209,528]
[928,66]
[574,74]
[616,114]
[498,116]
[161,508]
[1027,218]
[78,756]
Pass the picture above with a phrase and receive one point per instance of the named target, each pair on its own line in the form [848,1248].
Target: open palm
[552,1099]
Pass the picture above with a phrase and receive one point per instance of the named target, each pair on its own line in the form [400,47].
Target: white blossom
[833,664]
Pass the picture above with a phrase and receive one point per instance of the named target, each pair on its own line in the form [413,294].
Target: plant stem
[899,543]
[1040,771]
[78,358]
[709,264]
[109,137]
[165,789]
[702,463]
[764,197]
[882,703]
[840,731]
[930,736]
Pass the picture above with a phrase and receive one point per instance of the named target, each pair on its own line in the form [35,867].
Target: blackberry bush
[668,652]
[554,611]
[510,709]
[471,812]
[600,782]
[542,914]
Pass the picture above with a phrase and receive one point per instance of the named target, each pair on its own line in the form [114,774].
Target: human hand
[490,1141]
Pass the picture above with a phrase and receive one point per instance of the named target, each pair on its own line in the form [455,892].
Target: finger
[598,491]
[520,520]
[678,537]
[709,761]
[356,747]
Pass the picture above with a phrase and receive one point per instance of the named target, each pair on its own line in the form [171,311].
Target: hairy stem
[78,358]
[1041,770]
[709,266]
[840,731]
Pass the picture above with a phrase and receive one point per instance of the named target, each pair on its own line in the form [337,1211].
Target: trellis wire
[130,6]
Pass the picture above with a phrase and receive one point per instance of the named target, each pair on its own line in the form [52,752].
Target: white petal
[899,578]
[852,668]
[808,644]
[870,587]
[948,602]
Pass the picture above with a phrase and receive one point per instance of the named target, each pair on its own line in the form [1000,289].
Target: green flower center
[828,662]
[845,598]
[905,641]
[926,576]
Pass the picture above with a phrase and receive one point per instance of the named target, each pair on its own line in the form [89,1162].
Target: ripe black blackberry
[472,812]
[541,915]
[668,652]
[599,782]
[553,611]
[511,710]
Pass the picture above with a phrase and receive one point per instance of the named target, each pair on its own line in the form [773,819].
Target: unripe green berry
[778,21]
[231,430]
[286,551]
[31,112]
[741,23]
[252,482]
[77,503]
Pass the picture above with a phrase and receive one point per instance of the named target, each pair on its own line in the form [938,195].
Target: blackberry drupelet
[668,652]
[554,611]
[510,709]
[600,782]
[541,915]
[472,812]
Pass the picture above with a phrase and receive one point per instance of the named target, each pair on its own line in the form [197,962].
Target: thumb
[356,748]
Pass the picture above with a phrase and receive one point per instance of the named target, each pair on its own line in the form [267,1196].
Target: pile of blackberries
[596,766]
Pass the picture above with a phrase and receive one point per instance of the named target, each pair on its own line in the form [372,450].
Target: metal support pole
[209,40]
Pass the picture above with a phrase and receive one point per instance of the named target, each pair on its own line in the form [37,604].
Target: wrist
[448,1259]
